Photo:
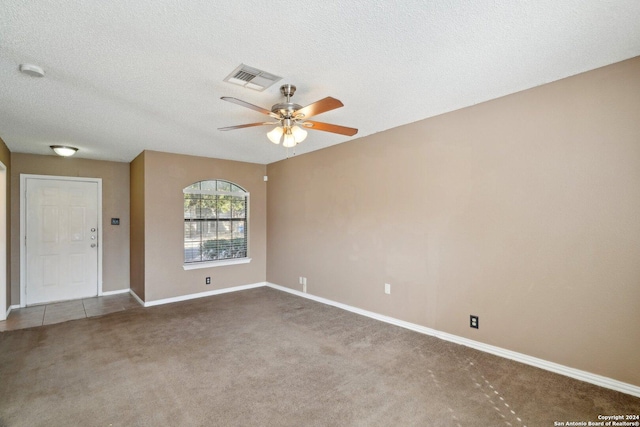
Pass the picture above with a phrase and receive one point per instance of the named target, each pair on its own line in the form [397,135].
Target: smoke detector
[31,70]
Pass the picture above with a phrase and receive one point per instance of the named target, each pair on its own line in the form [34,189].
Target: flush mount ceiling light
[290,117]
[64,150]
[31,70]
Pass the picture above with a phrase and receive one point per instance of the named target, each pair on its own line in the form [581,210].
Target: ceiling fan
[291,119]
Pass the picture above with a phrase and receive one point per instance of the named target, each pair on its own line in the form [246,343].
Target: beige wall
[165,176]
[5,158]
[115,203]
[523,210]
[137,231]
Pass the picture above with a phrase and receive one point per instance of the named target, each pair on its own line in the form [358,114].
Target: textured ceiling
[125,76]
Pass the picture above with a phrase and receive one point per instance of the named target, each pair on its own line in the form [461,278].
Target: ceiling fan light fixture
[275,135]
[298,133]
[64,150]
[290,116]
[289,140]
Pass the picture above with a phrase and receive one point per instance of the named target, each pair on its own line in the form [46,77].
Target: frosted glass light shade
[290,136]
[275,135]
[298,133]
[64,151]
[289,141]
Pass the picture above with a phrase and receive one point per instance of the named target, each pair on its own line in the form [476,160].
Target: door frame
[23,227]
[4,241]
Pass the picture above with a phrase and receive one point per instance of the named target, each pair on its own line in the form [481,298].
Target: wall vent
[251,78]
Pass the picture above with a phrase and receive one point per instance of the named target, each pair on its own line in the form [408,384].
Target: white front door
[61,240]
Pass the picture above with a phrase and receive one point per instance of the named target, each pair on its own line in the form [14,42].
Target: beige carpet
[266,358]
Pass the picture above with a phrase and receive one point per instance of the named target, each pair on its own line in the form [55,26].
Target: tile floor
[68,310]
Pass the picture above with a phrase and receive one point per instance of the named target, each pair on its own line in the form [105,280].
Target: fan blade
[327,127]
[318,107]
[253,107]
[248,125]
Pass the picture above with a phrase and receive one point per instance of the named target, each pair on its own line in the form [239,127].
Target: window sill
[221,263]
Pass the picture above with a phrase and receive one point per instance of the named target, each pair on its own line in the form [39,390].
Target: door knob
[93,245]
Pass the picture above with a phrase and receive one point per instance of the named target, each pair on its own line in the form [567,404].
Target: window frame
[242,193]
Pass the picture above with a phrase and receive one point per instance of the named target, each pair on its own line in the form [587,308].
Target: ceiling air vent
[251,78]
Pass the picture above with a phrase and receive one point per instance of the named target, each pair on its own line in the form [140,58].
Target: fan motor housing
[285,109]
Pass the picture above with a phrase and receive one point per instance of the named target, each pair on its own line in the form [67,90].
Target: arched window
[215,222]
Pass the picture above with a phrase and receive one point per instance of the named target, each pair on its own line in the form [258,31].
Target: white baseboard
[199,294]
[136,297]
[120,291]
[12,307]
[508,354]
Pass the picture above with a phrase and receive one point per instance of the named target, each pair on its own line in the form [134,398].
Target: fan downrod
[286,109]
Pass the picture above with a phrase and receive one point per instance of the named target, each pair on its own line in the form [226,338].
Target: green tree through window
[215,221]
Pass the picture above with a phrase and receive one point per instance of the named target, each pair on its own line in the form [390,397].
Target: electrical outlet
[300,280]
[304,288]
[387,288]
[207,281]
[474,322]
